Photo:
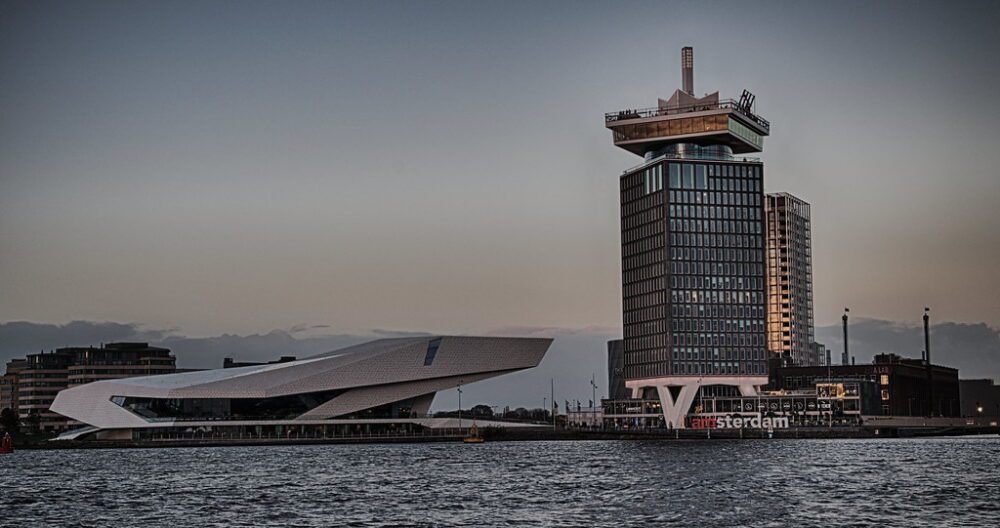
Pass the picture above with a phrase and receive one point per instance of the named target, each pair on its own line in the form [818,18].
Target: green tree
[33,422]
[482,411]
[9,421]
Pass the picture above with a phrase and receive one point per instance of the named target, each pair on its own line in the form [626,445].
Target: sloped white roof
[371,374]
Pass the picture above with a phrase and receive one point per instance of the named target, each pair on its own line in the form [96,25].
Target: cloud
[18,338]
[973,348]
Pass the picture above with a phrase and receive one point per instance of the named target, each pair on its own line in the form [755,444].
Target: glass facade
[746,134]
[672,127]
[682,126]
[273,408]
[692,270]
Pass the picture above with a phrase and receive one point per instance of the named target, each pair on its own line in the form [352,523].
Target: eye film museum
[384,386]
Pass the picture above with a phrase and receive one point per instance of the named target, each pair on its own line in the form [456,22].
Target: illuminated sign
[739,422]
[831,390]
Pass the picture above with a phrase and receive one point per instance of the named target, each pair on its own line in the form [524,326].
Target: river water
[800,483]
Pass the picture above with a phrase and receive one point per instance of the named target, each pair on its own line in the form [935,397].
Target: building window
[701,180]
[675,176]
[884,379]
[653,179]
[688,181]
[885,395]
[432,348]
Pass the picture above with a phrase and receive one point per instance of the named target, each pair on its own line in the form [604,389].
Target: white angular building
[384,386]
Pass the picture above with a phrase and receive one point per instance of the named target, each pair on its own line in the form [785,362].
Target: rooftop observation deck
[718,122]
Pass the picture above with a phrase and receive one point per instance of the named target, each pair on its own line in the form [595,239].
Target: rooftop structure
[232,363]
[726,126]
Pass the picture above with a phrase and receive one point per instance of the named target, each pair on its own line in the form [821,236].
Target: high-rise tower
[790,333]
[692,224]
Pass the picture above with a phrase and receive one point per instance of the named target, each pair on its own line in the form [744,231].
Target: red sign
[704,423]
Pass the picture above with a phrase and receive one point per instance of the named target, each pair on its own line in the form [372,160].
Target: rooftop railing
[724,104]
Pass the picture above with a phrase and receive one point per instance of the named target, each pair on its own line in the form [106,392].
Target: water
[911,483]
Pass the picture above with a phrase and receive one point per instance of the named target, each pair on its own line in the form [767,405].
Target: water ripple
[802,483]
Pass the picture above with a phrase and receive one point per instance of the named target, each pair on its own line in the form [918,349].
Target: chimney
[930,371]
[687,70]
[927,335]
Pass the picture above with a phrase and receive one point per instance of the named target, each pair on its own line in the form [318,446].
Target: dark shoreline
[545,435]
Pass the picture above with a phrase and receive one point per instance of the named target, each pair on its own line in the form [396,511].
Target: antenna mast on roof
[687,70]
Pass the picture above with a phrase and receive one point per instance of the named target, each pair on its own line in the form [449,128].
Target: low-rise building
[585,417]
[905,386]
[30,385]
[632,414]
[8,384]
[980,397]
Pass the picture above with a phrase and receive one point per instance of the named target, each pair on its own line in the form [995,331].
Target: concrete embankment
[550,435]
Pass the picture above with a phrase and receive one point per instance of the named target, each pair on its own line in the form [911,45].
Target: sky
[217,168]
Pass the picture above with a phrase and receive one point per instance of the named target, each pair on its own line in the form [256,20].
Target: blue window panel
[432,348]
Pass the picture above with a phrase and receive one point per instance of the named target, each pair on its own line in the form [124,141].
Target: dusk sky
[240,167]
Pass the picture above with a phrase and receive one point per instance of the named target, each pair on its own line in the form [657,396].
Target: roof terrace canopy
[686,119]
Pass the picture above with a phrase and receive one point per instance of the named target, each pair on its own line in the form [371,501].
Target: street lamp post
[593,400]
[555,407]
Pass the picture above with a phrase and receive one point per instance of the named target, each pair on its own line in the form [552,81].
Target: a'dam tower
[692,228]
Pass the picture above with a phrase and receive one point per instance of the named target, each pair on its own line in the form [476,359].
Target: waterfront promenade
[546,434]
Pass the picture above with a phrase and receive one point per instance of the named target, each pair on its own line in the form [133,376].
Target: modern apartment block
[692,224]
[33,382]
[8,384]
[790,328]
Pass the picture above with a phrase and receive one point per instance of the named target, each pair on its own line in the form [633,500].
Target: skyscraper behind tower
[692,247]
[790,332]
